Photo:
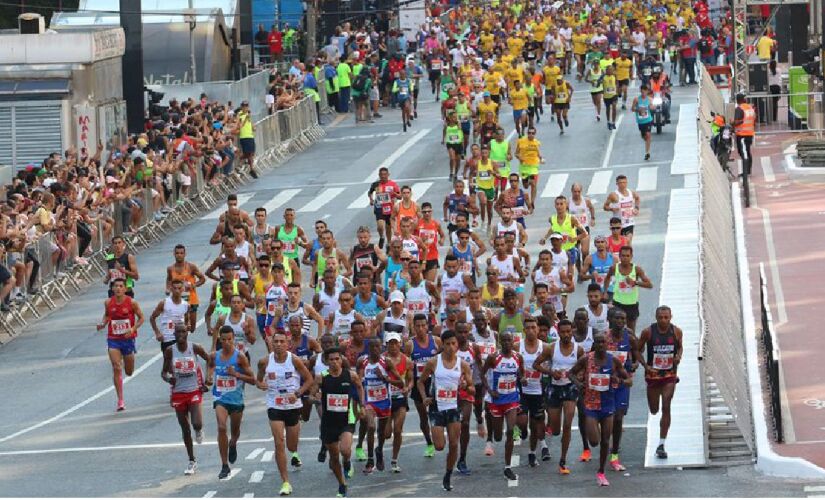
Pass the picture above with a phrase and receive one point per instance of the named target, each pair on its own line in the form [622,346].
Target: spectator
[344,71]
[331,83]
[766,46]
[310,87]
[262,44]
[276,44]
[687,54]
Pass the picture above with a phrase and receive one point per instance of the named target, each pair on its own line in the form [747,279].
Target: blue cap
[485,94]
[217,125]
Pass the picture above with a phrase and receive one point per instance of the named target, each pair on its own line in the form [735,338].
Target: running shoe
[660,452]
[531,460]
[615,464]
[233,453]
[342,491]
[545,454]
[286,489]
[601,479]
[379,459]
[224,474]
[462,468]
[370,467]
[488,450]
[395,467]
[348,470]
[199,437]
[121,405]
[360,454]
[585,456]
[566,123]
[193,467]
[517,436]
[445,483]
[322,455]
[647,156]
[563,470]
[296,460]
[429,451]
[509,474]
[624,106]
[598,118]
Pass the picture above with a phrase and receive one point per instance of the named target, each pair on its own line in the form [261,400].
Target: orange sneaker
[585,456]
[563,470]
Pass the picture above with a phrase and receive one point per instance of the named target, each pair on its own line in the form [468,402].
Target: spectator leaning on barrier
[310,87]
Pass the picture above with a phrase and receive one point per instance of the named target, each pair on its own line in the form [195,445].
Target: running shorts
[414,394]
[622,397]
[125,346]
[380,412]
[609,101]
[288,417]
[558,394]
[230,408]
[631,310]
[247,145]
[489,193]
[599,414]
[431,264]
[561,106]
[499,410]
[532,405]
[627,230]
[332,433]
[182,401]
[517,113]
[444,417]
[644,128]
[399,403]
[527,171]
[164,345]
[661,382]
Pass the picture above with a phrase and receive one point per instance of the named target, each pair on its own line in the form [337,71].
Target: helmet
[719,121]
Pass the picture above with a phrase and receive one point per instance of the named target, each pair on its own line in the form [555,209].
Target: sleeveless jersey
[227,389]
[282,379]
[121,319]
[505,379]
[563,363]
[445,384]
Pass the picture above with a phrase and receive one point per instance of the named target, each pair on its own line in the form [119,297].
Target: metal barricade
[771,355]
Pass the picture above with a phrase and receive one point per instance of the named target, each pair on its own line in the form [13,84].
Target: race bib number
[561,96]
[446,395]
[225,383]
[395,391]
[583,218]
[362,262]
[519,211]
[403,92]
[620,355]
[120,326]
[184,366]
[240,345]
[115,274]
[663,361]
[338,403]
[506,384]
[415,306]
[273,308]
[289,246]
[647,71]
[466,266]
[599,278]
[486,350]
[625,45]
[436,64]
[343,339]
[532,374]
[599,382]
[376,392]
[610,90]
[452,217]
[419,368]
[484,174]
[453,138]
[726,134]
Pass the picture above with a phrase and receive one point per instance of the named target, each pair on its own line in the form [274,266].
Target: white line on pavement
[357,137]
[248,495]
[397,154]
[256,476]
[599,183]
[511,135]
[280,199]
[210,494]
[767,169]
[814,489]
[322,199]
[610,141]
[255,453]
[216,214]
[419,188]
[512,484]
[268,456]
[647,179]
[233,473]
[555,185]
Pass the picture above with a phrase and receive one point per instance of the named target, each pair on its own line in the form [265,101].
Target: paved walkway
[785,229]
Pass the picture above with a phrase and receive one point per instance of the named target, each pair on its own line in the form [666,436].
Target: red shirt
[395,67]
[386,193]
[121,319]
[276,42]
[428,233]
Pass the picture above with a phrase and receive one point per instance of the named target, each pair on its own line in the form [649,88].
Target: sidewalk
[785,229]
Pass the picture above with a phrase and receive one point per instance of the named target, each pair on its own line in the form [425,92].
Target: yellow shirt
[515,45]
[580,44]
[520,99]
[763,47]
[484,108]
[623,68]
[491,83]
[487,41]
[514,74]
[609,83]
[540,31]
[551,74]
[561,92]
[528,151]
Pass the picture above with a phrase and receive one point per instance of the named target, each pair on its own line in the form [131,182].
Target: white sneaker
[199,437]
[193,467]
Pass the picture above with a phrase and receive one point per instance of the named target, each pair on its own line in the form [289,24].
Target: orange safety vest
[748,125]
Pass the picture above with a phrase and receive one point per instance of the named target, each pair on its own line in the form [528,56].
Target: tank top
[282,379]
[643,115]
[498,154]
[329,302]
[243,249]
[486,345]
[661,349]
[566,229]
[306,321]
[319,367]
[552,278]
[445,384]
[185,369]
[228,388]
[391,268]
[511,228]
[468,357]
[505,379]
[363,257]
[507,275]
[409,245]
[259,287]
[466,260]
[421,355]
[562,93]
[376,387]
[599,267]
[580,211]
[620,349]
[623,293]
[392,324]
[561,260]
[172,314]
[238,331]
[428,232]
[609,82]
[401,368]
[274,299]
[484,174]
[114,273]
[598,322]
[411,212]
[623,208]
[258,239]
[288,240]
[457,205]
[563,363]
[190,293]
[533,377]
[121,319]
[454,135]
[489,299]
[452,286]
[341,326]
[595,79]
[368,309]
[598,395]
[336,400]
[614,248]
[301,351]
[587,342]
[418,299]
[513,324]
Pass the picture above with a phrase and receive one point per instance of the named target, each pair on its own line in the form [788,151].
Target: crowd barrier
[722,344]
[56,277]
[772,359]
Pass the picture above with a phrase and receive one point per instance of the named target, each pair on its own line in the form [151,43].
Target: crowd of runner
[447,309]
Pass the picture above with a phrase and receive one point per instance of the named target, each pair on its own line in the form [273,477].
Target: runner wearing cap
[394,318]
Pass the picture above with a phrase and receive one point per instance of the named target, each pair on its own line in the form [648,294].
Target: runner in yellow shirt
[528,152]
[520,100]
[624,66]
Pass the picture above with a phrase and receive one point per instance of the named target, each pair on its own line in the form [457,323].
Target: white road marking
[362,201]
[555,185]
[248,495]
[511,135]
[233,473]
[515,460]
[268,456]
[512,484]
[357,137]
[599,183]
[647,179]
[767,169]
[398,153]
[216,214]
[210,494]
[280,199]
[610,141]
[256,476]
[322,199]
[255,453]
[419,188]
[788,163]
[814,489]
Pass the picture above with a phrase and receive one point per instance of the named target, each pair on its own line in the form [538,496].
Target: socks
[661,441]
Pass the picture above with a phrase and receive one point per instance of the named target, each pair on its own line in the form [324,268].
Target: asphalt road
[60,435]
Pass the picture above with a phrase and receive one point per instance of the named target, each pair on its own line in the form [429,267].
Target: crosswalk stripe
[248,495]
[233,473]
[279,199]
[647,179]
[255,453]
[216,214]
[811,489]
[267,457]
[322,199]
[210,494]
[600,181]
[362,201]
[419,188]
[555,185]
[256,476]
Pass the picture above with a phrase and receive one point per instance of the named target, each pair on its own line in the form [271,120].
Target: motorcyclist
[716,127]
[660,82]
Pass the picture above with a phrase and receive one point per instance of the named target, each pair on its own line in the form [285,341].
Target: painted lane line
[511,135]
[609,150]
[419,188]
[255,453]
[599,183]
[814,489]
[256,476]
[232,474]
[512,484]
[322,199]
[248,495]
[555,185]
[398,153]
[268,456]
[359,137]
[515,461]
[647,179]
[767,169]
[210,494]
[280,199]
[216,214]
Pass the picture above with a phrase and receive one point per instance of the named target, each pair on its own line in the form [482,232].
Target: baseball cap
[485,94]
[397,296]
[556,236]
[392,336]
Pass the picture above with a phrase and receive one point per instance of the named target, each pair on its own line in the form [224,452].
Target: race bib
[225,383]
[362,262]
[486,350]
[506,384]
[376,392]
[610,90]
[240,345]
[120,326]
[663,361]
[599,278]
[273,308]
[599,382]
[115,274]
[519,211]
[484,174]
[561,96]
[436,64]
[446,395]
[419,368]
[184,366]
[620,355]
[403,92]
[338,403]
[416,306]
[453,138]
[452,217]
[288,246]
[532,374]
[466,266]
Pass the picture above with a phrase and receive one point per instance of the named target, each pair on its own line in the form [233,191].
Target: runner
[519,99]
[624,68]
[453,137]
[517,200]
[486,173]
[261,281]
[398,395]
[171,310]
[123,318]
[231,372]
[595,77]
[581,207]
[528,151]
[458,203]
[382,195]
[644,118]
[562,95]
[662,343]
[449,376]
[303,347]
[500,154]
[285,379]
[453,283]
[468,354]
[183,373]
[624,204]
[421,349]
[509,270]
[628,278]
[121,265]
[402,87]
[622,345]
[232,217]
[611,96]
[431,234]
[377,374]
[291,237]
[339,323]
[262,232]
[405,207]
[596,266]
[192,279]
[532,401]
[366,256]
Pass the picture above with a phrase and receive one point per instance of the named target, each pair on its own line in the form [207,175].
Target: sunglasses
[615,228]
[405,260]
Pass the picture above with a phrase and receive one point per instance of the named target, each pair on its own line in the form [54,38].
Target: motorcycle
[722,143]
[657,108]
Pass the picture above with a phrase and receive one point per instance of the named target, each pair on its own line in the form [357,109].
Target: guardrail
[55,276]
[771,356]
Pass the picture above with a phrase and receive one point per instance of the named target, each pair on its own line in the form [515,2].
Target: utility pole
[190,17]
[311,29]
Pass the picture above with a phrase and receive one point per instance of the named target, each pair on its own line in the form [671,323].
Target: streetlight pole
[190,17]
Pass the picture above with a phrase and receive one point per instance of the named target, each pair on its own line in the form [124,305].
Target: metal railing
[784,112]
[771,356]
[55,274]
